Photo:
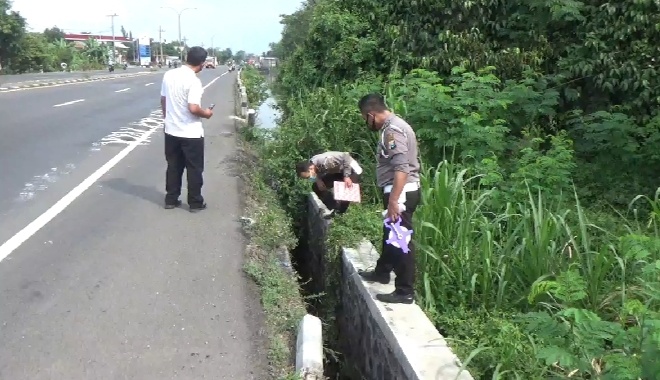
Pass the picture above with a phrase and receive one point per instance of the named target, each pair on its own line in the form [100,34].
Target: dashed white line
[124,90]
[69,103]
[28,231]
[148,84]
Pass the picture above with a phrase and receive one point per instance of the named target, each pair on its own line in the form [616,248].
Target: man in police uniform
[397,174]
[324,170]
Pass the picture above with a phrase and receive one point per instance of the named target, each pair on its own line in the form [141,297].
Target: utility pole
[179,20]
[185,42]
[112,17]
[160,42]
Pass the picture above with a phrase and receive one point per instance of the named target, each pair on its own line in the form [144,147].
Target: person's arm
[346,161]
[195,100]
[163,98]
[320,171]
[396,145]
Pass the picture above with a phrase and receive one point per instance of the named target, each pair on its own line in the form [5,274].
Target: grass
[269,231]
[507,283]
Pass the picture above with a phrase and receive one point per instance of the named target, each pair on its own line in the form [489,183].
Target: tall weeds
[545,266]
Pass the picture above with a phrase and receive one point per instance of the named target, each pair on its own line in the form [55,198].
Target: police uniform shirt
[333,163]
[397,151]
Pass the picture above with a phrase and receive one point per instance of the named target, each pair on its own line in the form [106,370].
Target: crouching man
[326,168]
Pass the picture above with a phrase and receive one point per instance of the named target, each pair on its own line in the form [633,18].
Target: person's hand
[393,210]
[208,113]
[348,182]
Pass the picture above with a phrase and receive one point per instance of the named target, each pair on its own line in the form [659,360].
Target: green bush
[255,85]
[535,132]
[578,300]
[497,218]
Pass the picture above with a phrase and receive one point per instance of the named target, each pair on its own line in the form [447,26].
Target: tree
[96,52]
[62,52]
[224,55]
[12,30]
[32,54]
[53,34]
[123,32]
[240,56]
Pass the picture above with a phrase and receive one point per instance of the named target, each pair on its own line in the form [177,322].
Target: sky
[248,25]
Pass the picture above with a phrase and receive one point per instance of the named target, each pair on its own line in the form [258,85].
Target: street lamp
[112,17]
[212,48]
[179,14]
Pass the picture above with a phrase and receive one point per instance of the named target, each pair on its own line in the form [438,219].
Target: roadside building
[121,48]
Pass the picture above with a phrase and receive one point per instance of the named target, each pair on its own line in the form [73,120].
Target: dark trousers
[184,153]
[327,197]
[393,258]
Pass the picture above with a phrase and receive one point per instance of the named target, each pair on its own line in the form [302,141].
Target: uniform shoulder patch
[391,141]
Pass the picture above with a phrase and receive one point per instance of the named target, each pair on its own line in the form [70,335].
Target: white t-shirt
[181,87]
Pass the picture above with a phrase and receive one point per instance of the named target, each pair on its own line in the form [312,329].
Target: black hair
[196,56]
[303,167]
[372,103]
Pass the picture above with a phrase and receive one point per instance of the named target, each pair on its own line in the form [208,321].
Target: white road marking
[41,182]
[69,103]
[148,84]
[126,89]
[83,82]
[28,231]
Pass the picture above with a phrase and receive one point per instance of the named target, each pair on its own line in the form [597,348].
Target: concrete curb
[67,81]
[309,348]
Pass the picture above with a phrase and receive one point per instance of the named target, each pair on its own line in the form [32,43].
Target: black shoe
[197,208]
[169,206]
[396,297]
[372,276]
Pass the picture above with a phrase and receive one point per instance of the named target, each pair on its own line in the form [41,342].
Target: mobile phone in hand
[212,106]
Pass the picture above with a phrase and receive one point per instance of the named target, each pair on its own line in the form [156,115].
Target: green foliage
[12,30]
[525,112]
[255,85]
[224,55]
[21,51]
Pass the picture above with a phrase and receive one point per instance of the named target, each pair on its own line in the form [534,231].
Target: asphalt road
[97,280]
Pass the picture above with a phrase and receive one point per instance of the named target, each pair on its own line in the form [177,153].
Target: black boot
[396,297]
[373,276]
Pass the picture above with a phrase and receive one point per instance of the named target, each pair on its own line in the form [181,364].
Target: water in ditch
[268,114]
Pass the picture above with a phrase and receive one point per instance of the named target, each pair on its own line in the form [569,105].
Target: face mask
[312,178]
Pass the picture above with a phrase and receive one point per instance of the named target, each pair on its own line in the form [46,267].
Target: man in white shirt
[180,100]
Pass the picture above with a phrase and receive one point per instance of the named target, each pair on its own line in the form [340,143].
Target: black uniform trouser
[184,153]
[393,258]
[327,197]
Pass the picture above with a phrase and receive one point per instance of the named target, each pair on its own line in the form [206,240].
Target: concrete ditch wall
[380,341]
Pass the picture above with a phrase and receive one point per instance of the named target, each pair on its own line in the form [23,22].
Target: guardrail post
[251,117]
[244,103]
